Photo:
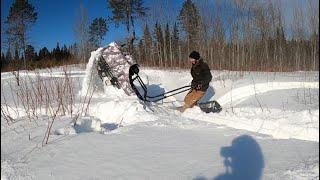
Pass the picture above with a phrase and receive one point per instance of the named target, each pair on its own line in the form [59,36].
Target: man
[201,75]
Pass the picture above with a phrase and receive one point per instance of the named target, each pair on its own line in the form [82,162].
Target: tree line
[22,55]
[230,35]
[249,36]
[41,59]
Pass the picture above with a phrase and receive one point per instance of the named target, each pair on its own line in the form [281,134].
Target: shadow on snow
[243,160]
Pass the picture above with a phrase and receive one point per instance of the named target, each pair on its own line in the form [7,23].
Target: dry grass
[33,96]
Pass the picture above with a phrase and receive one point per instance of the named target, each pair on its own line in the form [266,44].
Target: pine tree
[190,20]
[97,30]
[64,52]
[56,53]
[30,54]
[126,12]
[44,54]
[21,16]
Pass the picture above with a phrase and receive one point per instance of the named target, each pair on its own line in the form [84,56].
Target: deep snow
[273,117]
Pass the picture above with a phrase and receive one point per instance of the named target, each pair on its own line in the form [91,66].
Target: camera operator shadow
[243,160]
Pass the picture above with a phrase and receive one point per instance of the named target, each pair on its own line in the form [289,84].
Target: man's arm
[206,74]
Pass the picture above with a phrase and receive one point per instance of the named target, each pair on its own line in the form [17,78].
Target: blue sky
[56,19]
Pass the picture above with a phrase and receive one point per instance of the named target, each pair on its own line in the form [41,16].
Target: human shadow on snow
[243,160]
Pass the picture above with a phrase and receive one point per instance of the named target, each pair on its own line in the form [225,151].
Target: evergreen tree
[190,20]
[97,30]
[126,12]
[56,53]
[30,53]
[44,54]
[21,16]
[73,49]
[64,52]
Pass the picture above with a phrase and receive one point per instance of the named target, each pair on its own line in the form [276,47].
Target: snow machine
[104,70]
[109,66]
[141,91]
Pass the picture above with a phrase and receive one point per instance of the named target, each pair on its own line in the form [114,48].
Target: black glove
[196,86]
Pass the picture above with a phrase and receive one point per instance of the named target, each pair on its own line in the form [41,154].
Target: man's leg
[191,99]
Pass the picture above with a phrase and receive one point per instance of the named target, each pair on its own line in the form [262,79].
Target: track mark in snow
[240,94]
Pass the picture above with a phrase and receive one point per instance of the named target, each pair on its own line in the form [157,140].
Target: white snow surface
[269,126]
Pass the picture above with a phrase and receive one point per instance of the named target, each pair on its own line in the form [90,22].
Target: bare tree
[313,22]
[81,30]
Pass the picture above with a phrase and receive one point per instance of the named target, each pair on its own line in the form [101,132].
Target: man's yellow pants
[192,98]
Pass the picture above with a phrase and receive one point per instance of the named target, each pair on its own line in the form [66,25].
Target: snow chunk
[87,124]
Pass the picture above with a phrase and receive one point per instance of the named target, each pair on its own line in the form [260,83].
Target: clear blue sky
[56,19]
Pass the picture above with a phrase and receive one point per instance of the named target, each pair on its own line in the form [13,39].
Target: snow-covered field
[268,129]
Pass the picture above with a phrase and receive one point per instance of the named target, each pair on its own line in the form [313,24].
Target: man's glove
[196,86]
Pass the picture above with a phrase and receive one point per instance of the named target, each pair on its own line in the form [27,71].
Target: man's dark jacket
[201,75]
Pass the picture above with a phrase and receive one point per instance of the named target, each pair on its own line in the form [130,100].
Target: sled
[142,92]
